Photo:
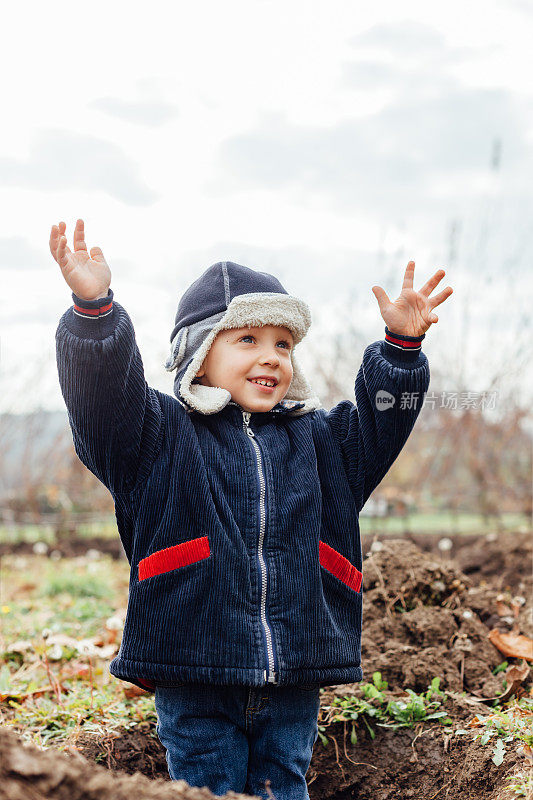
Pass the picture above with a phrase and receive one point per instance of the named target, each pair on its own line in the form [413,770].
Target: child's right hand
[88,277]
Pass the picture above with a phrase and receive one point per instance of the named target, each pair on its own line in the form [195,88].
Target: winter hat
[228,295]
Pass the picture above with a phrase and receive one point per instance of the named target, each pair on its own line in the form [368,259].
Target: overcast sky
[327,143]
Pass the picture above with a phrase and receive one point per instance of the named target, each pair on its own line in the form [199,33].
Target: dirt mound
[27,773]
[504,560]
[136,749]
[423,617]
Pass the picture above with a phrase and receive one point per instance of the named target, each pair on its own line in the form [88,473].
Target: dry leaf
[512,644]
[133,691]
[515,677]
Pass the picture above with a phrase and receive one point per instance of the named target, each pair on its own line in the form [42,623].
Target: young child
[237,504]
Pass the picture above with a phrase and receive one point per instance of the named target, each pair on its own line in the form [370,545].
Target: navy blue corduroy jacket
[241,529]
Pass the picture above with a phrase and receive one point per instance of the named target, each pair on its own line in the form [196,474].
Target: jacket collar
[283,407]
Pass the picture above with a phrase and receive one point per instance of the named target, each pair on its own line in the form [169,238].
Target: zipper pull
[246,419]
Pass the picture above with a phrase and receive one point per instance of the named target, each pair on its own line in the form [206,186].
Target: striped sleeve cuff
[92,319]
[93,308]
[401,347]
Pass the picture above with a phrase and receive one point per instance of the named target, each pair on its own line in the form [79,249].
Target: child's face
[239,354]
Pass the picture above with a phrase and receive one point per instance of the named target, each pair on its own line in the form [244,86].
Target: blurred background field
[431,523]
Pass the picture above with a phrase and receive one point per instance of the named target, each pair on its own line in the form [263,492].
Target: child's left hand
[412,313]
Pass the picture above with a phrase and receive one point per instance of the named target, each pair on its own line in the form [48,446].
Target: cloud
[61,160]
[402,38]
[145,112]
[415,155]
[408,57]
[426,150]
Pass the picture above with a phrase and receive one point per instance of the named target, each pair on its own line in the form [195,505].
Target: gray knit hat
[228,295]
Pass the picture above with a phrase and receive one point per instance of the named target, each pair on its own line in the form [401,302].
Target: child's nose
[270,357]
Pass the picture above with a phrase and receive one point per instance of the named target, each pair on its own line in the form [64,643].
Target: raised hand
[89,277]
[412,312]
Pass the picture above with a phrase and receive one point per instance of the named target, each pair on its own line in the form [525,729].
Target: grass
[443,523]
[45,722]
[46,532]
[69,596]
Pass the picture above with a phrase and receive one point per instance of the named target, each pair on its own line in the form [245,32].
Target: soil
[427,613]
[27,773]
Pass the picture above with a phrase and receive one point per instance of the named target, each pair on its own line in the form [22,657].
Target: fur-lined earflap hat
[228,295]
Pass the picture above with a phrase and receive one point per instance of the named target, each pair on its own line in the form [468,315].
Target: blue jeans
[237,737]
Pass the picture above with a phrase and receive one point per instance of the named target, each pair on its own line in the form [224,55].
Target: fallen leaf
[515,677]
[133,691]
[528,753]
[512,644]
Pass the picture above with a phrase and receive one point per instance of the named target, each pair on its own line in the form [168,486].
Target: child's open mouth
[261,387]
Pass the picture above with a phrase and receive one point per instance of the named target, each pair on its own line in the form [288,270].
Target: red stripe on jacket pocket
[339,566]
[173,557]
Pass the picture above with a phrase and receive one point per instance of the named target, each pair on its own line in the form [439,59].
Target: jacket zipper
[271,678]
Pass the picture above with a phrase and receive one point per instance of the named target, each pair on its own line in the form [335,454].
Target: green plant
[521,784]
[500,668]
[509,723]
[388,713]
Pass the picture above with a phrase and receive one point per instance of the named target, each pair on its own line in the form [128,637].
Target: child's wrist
[401,346]
[403,337]
[100,307]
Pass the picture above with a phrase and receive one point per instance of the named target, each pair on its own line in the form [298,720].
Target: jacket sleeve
[389,392]
[115,417]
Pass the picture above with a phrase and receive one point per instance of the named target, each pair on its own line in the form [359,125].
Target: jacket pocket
[340,567]
[180,555]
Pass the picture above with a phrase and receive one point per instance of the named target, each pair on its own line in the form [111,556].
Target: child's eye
[281,341]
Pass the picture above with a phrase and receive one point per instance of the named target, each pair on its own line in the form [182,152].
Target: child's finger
[54,240]
[63,252]
[79,236]
[440,297]
[96,254]
[428,287]
[409,275]
[381,296]
[55,236]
